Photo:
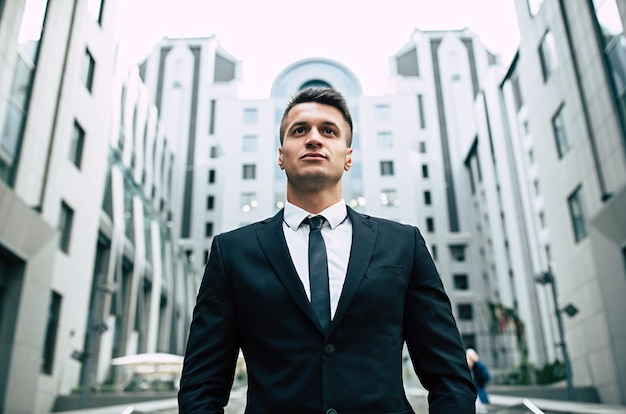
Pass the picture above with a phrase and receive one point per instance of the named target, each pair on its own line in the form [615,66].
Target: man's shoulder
[245,230]
[383,223]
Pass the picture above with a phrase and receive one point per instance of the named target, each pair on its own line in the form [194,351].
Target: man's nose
[314,138]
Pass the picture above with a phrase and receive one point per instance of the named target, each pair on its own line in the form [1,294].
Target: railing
[532,407]
[525,407]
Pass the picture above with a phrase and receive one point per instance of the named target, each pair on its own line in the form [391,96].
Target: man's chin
[313,180]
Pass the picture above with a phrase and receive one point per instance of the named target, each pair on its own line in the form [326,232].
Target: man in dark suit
[335,348]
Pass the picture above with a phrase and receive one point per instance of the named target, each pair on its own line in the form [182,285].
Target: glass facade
[613,42]
[31,31]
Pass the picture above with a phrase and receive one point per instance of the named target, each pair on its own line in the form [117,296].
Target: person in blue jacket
[480,374]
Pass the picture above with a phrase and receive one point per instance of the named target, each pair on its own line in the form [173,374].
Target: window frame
[52,333]
[87,73]
[248,172]
[577,214]
[465,311]
[77,142]
[66,221]
[387,168]
[547,55]
[561,138]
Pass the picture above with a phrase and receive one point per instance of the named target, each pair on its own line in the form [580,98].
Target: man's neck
[313,202]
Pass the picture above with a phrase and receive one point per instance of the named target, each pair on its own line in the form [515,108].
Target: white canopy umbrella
[152,363]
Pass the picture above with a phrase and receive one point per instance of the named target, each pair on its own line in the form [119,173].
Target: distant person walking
[480,374]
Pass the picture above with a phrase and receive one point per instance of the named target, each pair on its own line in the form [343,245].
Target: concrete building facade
[564,96]
[89,269]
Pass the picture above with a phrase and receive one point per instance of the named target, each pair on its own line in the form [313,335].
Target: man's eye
[330,131]
[298,130]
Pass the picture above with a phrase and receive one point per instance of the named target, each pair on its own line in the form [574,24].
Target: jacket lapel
[363,240]
[272,241]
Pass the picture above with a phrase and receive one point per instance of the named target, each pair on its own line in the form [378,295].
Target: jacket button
[331,411]
[329,350]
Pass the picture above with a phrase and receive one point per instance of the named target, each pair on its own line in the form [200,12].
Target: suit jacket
[252,298]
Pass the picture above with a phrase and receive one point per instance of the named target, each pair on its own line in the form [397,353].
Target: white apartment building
[89,269]
[564,95]
[410,147]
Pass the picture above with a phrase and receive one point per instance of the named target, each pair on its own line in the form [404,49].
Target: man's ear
[280,158]
[348,163]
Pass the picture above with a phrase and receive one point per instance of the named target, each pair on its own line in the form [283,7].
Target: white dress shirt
[337,234]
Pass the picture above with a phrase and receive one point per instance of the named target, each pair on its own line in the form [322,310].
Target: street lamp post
[545,278]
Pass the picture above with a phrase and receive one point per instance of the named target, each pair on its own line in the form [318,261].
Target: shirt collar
[334,215]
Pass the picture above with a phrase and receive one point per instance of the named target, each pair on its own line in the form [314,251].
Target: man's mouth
[313,155]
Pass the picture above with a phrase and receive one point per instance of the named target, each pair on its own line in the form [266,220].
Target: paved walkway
[236,405]
[417,397]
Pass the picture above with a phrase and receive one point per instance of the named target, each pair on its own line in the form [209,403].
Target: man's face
[315,150]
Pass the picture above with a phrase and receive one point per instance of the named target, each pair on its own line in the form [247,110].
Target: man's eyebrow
[298,124]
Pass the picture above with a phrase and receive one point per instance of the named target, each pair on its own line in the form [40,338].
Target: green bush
[551,372]
[527,374]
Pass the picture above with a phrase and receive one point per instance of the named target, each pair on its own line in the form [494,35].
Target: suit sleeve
[433,339]
[212,348]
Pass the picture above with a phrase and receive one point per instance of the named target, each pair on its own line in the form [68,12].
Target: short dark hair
[324,96]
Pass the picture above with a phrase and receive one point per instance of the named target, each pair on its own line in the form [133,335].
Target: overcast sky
[267,36]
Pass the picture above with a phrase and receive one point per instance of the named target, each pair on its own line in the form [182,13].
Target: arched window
[315,83]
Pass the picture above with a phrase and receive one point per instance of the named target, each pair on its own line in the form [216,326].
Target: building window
[407,64]
[208,229]
[420,108]
[212,117]
[518,99]
[249,171]
[386,168]
[577,214]
[210,202]
[50,340]
[94,8]
[224,69]
[560,134]
[66,218]
[548,251]
[547,55]
[213,151]
[465,311]
[469,340]
[77,141]
[250,143]
[206,255]
[422,147]
[383,112]
[250,116]
[424,170]
[434,252]
[542,220]
[87,70]
[389,198]
[430,224]
[385,139]
[211,176]
[461,281]
[248,201]
[457,251]
[536,187]
[427,198]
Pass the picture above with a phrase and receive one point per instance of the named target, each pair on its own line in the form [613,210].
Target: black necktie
[318,271]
